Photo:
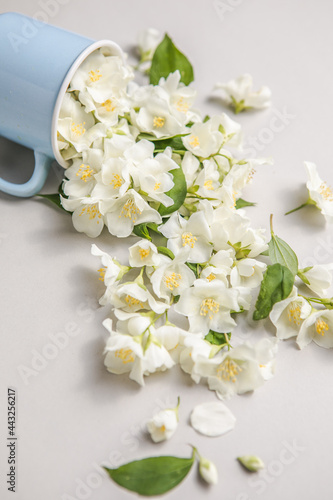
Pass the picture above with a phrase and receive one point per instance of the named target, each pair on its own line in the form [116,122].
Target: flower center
[210,307]
[321,327]
[194,142]
[117,181]
[132,301]
[108,106]
[209,185]
[144,252]
[130,210]
[294,313]
[157,186]
[228,370]
[126,355]
[172,281]
[78,129]
[326,192]
[92,211]
[85,172]
[102,271]
[182,105]
[94,76]
[250,176]
[211,277]
[188,239]
[158,121]
[163,428]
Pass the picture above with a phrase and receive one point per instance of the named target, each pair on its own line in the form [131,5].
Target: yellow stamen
[251,174]
[182,105]
[157,186]
[228,370]
[108,106]
[92,211]
[326,192]
[188,239]
[209,185]
[210,307]
[94,76]
[321,327]
[158,121]
[78,129]
[163,428]
[194,142]
[117,181]
[294,313]
[126,355]
[132,301]
[130,210]
[102,271]
[211,277]
[85,172]
[144,253]
[172,280]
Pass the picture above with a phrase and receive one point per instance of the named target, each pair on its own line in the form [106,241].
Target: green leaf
[280,253]
[194,268]
[55,198]
[166,251]
[240,203]
[276,285]
[141,230]
[152,476]
[161,143]
[167,59]
[217,338]
[177,192]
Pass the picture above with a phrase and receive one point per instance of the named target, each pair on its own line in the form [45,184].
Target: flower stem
[308,202]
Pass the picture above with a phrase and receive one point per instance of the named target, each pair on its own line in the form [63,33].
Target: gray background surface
[73,415]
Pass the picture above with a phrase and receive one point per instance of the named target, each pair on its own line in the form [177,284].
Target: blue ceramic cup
[37,63]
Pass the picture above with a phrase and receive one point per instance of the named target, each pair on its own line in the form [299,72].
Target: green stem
[308,202]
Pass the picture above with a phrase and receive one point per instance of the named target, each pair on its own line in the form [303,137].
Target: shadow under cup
[37,63]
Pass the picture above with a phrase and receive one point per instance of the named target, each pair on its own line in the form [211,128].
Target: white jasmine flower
[112,270]
[164,424]
[247,273]
[240,95]
[318,327]
[148,40]
[124,213]
[209,180]
[318,278]
[194,346]
[208,471]
[193,234]
[172,338]
[320,193]
[179,96]
[155,117]
[143,253]
[288,315]
[212,419]
[204,139]
[208,306]
[242,369]
[172,277]
[78,127]
[133,297]
[113,180]
[242,174]
[211,273]
[86,216]
[81,174]
[231,130]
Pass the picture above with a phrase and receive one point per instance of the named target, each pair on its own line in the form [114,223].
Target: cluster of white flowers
[144,161]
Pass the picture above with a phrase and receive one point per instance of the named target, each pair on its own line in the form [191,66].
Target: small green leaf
[240,203]
[55,198]
[177,192]
[166,251]
[280,252]
[194,268]
[152,476]
[276,285]
[141,230]
[217,338]
[167,59]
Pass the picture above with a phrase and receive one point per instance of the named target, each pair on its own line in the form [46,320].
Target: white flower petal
[212,419]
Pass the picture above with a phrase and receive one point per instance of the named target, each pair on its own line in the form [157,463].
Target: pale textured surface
[73,415]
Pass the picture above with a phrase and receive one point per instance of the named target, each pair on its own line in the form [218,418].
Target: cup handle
[36,181]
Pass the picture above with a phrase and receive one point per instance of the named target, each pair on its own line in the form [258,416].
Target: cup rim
[115,50]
